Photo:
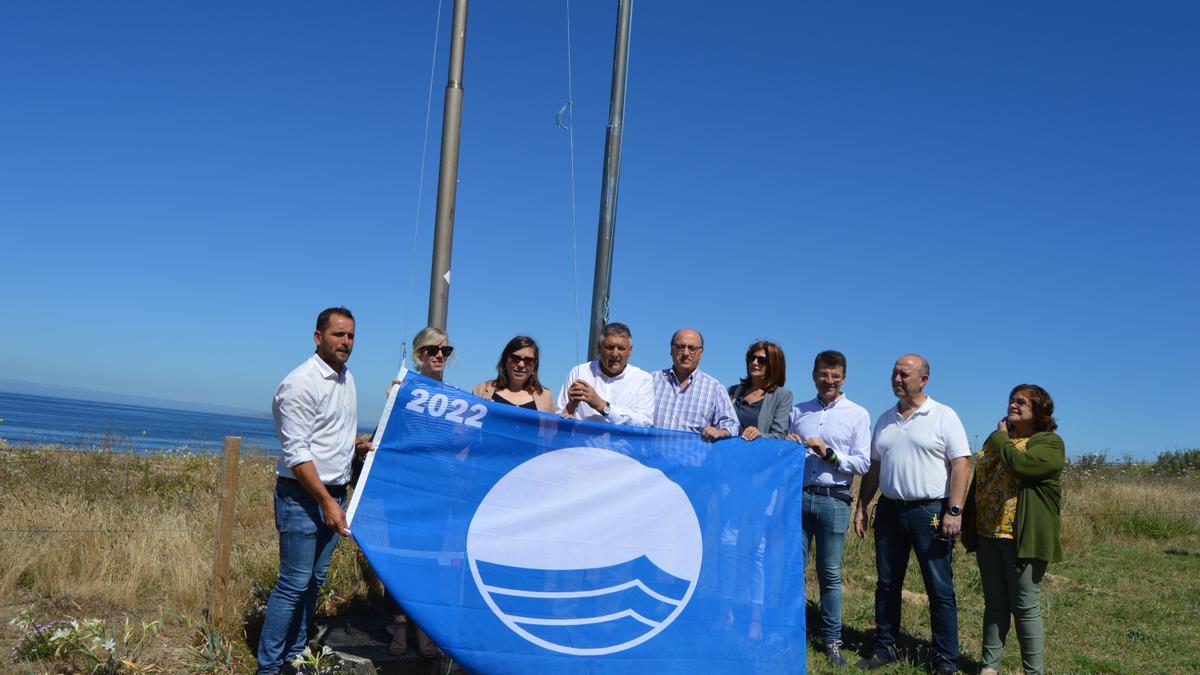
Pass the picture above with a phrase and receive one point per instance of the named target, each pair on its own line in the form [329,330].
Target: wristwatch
[954,510]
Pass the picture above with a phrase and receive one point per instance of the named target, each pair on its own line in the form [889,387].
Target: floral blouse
[996,490]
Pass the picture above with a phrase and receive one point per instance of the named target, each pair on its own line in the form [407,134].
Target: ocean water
[37,420]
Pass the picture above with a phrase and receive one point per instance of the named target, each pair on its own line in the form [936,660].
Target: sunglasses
[757,359]
[690,349]
[430,350]
[529,361]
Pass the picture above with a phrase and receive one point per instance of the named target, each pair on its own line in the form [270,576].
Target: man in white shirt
[689,399]
[919,462]
[836,433]
[609,389]
[316,418]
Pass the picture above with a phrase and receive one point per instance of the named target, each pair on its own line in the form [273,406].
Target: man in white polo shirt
[919,462]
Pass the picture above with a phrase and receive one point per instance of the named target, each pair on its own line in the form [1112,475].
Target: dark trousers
[899,529]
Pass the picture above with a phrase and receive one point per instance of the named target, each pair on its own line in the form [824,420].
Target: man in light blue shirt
[836,435]
[688,399]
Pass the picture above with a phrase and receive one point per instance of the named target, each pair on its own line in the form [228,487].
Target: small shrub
[86,643]
[211,653]
[26,579]
[318,662]
[1177,462]
[1089,461]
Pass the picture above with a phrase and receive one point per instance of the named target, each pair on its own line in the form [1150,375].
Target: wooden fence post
[225,519]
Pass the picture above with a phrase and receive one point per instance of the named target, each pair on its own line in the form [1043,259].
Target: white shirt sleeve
[295,418]
[858,459]
[560,403]
[638,410]
[793,419]
[955,436]
[879,424]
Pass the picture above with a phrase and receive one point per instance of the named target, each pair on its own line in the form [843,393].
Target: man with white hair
[609,389]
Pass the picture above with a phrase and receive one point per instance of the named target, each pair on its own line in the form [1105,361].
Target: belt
[837,492]
[910,503]
[333,490]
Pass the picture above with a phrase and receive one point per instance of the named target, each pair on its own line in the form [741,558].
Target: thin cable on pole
[569,108]
[412,262]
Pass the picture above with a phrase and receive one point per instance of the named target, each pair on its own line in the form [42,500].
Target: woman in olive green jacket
[1012,521]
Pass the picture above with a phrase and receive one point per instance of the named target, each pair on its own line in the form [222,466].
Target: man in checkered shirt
[688,399]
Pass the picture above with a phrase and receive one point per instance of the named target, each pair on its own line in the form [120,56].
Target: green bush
[1177,462]
[1089,460]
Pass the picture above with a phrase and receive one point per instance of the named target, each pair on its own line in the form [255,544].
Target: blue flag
[523,542]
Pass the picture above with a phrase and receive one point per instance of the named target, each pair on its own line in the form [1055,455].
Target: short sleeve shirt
[914,454]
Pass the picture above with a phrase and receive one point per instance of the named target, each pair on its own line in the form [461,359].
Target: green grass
[1125,600]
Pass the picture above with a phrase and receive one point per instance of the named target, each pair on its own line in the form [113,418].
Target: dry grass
[111,535]
[133,537]
[121,530]
[1125,501]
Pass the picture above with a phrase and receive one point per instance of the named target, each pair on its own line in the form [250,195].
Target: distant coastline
[96,395]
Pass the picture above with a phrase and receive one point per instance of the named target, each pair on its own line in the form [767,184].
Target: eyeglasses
[444,350]
[690,349]
[529,361]
[757,359]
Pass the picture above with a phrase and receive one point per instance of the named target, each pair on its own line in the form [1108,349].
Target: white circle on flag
[585,551]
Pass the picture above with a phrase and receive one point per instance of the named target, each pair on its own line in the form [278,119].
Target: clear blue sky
[1009,189]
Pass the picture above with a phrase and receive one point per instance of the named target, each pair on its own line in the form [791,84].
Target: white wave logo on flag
[585,551]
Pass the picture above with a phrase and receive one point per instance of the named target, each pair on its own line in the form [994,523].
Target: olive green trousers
[1011,588]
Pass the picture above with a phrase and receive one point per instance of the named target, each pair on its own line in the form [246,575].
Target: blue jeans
[305,547]
[899,529]
[826,519]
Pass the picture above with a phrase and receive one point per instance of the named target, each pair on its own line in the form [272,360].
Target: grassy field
[127,541]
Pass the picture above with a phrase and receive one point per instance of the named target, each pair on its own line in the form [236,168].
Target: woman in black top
[516,380]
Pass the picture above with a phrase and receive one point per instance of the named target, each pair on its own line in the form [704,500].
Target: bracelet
[831,457]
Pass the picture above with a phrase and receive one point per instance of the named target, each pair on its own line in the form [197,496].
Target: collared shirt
[703,403]
[914,455]
[316,419]
[845,427]
[630,395]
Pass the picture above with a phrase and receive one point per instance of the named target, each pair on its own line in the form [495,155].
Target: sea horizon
[37,420]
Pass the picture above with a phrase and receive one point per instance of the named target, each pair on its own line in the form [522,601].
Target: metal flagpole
[602,282]
[443,234]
